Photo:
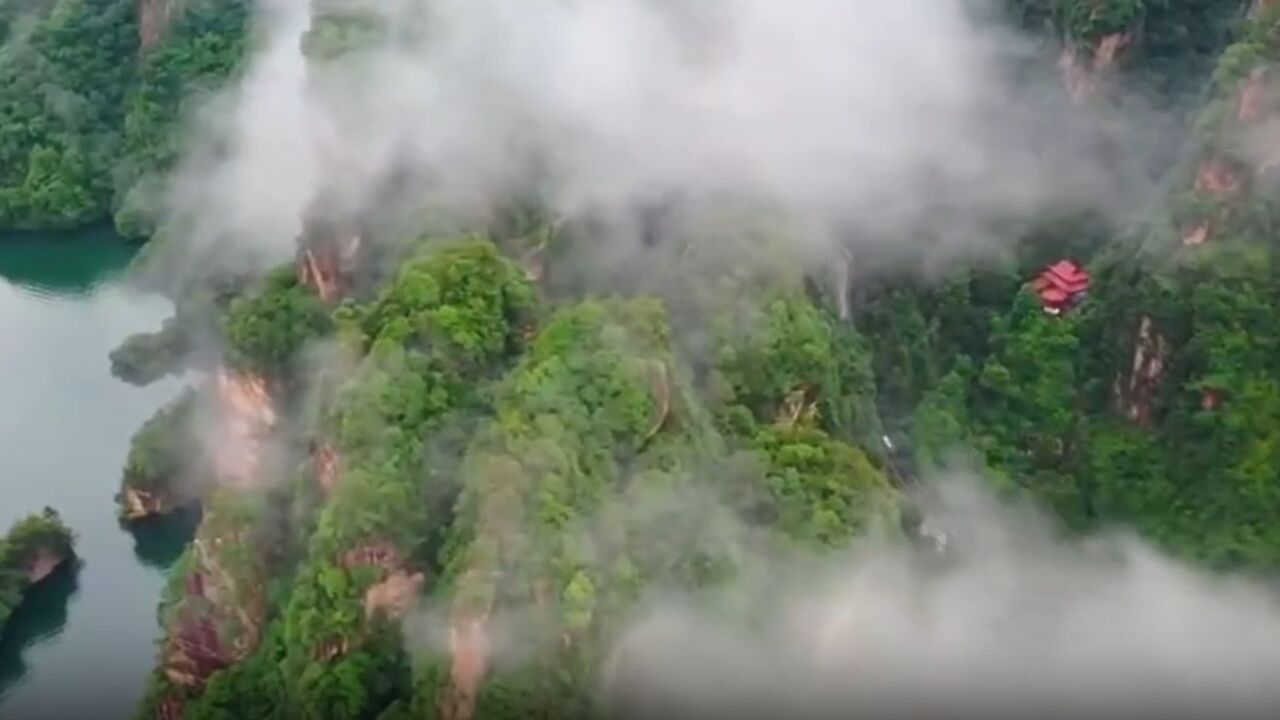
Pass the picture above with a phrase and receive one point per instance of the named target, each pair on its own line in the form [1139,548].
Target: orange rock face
[394,595]
[327,465]
[1251,108]
[43,564]
[246,415]
[1136,394]
[469,646]
[1197,235]
[153,19]
[1215,177]
[1081,71]
[325,266]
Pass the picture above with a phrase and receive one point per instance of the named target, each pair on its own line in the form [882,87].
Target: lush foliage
[267,330]
[162,453]
[61,98]
[483,448]
[29,541]
[200,52]
[88,119]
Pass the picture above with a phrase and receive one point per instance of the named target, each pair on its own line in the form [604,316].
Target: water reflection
[158,541]
[61,266]
[42,615]
[65,426]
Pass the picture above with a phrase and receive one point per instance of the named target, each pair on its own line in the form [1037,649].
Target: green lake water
[84,641]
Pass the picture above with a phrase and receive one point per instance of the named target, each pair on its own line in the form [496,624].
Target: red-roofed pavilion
[1061,285]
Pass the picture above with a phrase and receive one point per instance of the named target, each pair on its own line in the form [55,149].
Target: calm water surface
[85,639]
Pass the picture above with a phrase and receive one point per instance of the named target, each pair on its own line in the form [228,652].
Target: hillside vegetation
[412,441]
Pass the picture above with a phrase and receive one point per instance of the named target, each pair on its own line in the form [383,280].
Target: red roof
[1067,269]
[1067,276]
[1059,282]
[1053,295]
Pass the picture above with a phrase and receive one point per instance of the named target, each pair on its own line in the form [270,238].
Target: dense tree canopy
[462,438]
[24,553]
[89,121]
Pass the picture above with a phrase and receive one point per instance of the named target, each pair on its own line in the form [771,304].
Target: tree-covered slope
[89,118]
[1149,405]
[441,471]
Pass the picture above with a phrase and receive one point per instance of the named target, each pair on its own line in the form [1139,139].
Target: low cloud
[893,127]
[1016,622]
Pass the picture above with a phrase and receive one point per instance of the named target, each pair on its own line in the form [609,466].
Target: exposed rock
[534,262]
[195,651]
[138,504]
[153,19]
[1216,177]
[170,707]
[381,555]
[42,563]
[1251,107]
[797,409]
[326,463]
[1210,398]
[498,523]
[1197,235]
[1135,394]
[328,252]
[246,417]
[397,587]
[394,595]
[326,267]
[217,621]
[332,649]
[660,386]
[1081,69]
[469,648]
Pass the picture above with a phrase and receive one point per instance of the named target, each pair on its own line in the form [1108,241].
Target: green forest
[89,118]
[35,546]
[449,419]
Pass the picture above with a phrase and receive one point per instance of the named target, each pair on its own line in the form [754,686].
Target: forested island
[415,434]
[34,548]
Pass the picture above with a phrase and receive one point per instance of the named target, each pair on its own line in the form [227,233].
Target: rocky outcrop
[246,418]
[30,552]
[1196,235]
[799,408]
[1135,392]
[394,590]
[217,619]
[154,17]
[327,267]
[394,595]
[473,602]
[660,387]
[42,563]
[1216,177]
[138,504]
[327,465]
[469,647]
[1084,67]
[1252,104]
[329,252]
